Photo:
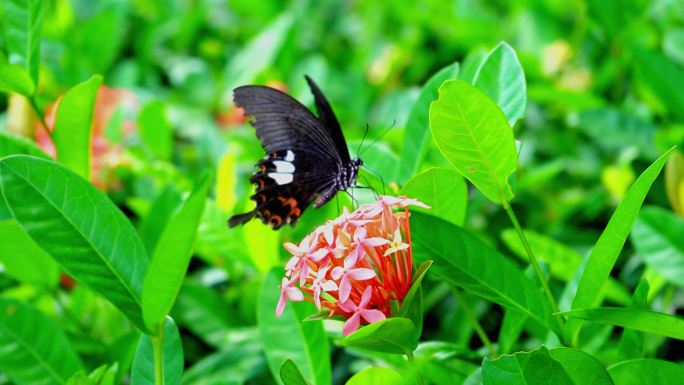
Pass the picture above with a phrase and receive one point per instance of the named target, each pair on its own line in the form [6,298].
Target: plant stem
[40,115]
[158,349]
[535,264]
[474,321]
[412,360]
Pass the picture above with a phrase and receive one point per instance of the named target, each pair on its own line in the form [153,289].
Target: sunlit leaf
[417,131]
[674,181]
[226,182]
[442,189]
[12,144]
[72,133]
[466,261]
[79,227]
[172,255]
[608,247]
[23,21]
[535,367]
[473,133]
[155,130]
[632,341]
[581,367]
[638,319]
[393,335]
[376,375]
[502,78]
[14,78]
[657,236]
[33,349]
[288,337]
[143,371]
[23,259]
[646,371]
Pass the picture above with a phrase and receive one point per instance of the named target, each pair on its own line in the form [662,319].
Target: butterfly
[307,160]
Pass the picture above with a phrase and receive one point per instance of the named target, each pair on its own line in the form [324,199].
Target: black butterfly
[307,157]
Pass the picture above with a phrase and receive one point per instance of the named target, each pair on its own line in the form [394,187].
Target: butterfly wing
[329,121]
[302,160]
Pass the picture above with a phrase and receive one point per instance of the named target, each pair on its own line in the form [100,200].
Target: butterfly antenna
[394,122]
[362,139]
[379,176]
[377,196]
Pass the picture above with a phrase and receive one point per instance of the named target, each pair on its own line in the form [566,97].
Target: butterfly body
[307,159]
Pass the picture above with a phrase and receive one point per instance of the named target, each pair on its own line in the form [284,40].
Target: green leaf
[13,144]
[155,130]
[23,259]
[646,371]
[608,247]
[265,254]
[72,134]
[79,227]
[638,319]
[172,255]
[23,20]
[257,54]
[535,367]
[632,341]
[662,77]
[14,78]
[466,261]
[376,375]
[235,364]
[417,131]
[442,189]
[33,350]
[161,210]
[502,78]
[205,313]
[473,134]
[290,374]
[412,305]
[288,337]
[143,370]
[393,335]
[657,237]
[581,367]
[562,260]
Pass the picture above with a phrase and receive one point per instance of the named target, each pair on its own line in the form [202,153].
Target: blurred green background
[605,84]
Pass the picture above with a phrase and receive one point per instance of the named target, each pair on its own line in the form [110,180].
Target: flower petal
[372,315]
[345,289]
[337,273]
[351,325]
[294,294]
[375,242]
[361,274]
[348,306]
[329,286]
[281,304]
[292,248]
[365,298]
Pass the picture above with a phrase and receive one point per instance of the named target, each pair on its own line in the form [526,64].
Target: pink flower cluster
[354,265]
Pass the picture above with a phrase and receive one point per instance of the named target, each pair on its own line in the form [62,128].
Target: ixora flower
[354,266]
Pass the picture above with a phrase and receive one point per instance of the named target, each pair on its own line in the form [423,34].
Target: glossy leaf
[638,319]
[23,259]
[535,367]
[290,374]
[155,130]
[442,189]
[143,370]
[473,134]
[501,77]
[632,341]
[161,210]
[33,349]
[288,337]
[581,367]
[376,375]
[14,78]
[394,335]
[13,144]
[53,204]
[646,371]
[417,131]
[72,131]
[23,21]
[412,305]
[466,261]
[657,237]
[608,247]
[172,255]
[674,181]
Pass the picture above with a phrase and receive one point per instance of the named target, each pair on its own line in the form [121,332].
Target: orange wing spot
[276,220]
[274,154]
[261,198]
[263,168]
[293,207]
[261,183]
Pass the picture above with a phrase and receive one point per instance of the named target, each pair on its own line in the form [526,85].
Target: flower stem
[474,321]
[158,351]
[534,263]
[412,360]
